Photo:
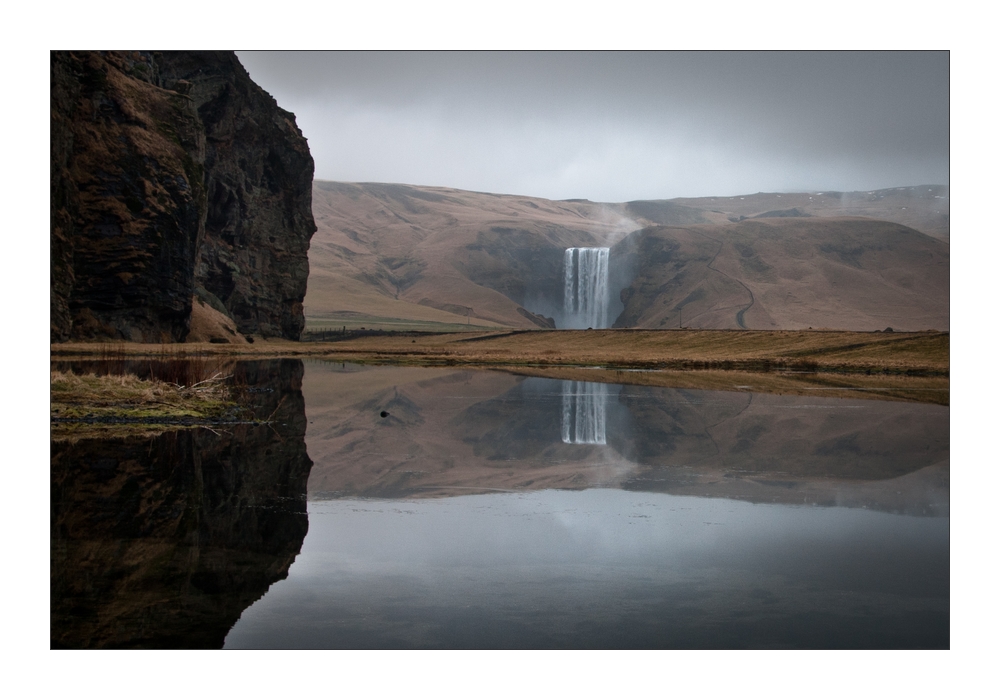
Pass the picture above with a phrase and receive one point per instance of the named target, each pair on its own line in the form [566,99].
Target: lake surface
[488,510]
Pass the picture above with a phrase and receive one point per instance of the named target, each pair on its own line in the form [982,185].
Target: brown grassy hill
[783,273]
[446,255]
[921,207]
[439,255]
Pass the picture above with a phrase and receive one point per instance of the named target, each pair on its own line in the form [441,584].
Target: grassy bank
[82,405]
[924,354]
[889,387]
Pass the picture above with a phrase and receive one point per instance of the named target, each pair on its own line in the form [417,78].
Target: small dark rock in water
[384,414]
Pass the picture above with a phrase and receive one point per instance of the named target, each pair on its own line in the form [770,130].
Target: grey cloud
[619,125]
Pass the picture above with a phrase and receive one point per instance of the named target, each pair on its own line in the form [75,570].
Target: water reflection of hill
[454,432]
[162,542]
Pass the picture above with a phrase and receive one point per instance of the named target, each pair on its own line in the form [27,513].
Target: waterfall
[585,287]
[584,412]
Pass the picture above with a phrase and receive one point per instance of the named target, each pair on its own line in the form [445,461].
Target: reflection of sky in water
[605,568]
[649,566]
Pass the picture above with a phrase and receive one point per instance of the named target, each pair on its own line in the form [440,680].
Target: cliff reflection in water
[162,542]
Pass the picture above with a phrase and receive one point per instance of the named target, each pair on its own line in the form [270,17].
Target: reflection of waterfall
[585,287]
[584,412]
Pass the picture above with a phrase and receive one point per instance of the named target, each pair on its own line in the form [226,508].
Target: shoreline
[815,351]
[911,367]
[908,367]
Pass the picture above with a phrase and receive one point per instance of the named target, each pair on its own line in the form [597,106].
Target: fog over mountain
[619,126]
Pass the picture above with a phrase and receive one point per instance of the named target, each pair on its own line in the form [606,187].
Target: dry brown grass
[822,351]
[126,397]
[933,390]
[688,349]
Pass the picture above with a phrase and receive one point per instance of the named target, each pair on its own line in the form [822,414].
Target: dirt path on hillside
[739,314]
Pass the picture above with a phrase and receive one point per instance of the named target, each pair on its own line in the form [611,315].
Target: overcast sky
[610,126]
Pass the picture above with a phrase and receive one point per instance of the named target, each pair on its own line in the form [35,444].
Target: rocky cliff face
[173,177]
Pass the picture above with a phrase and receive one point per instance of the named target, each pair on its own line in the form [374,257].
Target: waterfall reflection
[584,413]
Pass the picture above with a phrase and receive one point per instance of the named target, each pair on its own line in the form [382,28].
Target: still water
[488,510]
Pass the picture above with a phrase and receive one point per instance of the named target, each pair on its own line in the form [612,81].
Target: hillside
[922,207]
[837,260]
[444,255]
[782,273]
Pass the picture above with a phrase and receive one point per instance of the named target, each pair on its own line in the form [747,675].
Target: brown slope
[784,273]
[447,255]
[442,254]
[925,208]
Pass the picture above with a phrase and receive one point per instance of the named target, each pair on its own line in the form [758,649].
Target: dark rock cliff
[173,175]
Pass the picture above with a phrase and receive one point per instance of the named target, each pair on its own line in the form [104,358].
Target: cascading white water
[584,419]
[585,287]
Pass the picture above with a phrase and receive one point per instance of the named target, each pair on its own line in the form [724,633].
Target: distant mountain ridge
[855,260]
[921,207]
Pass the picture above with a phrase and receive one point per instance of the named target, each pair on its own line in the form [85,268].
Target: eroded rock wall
[128,202]
[173,174]
[258,175]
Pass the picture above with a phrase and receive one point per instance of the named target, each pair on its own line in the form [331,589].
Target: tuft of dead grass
[126,396]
